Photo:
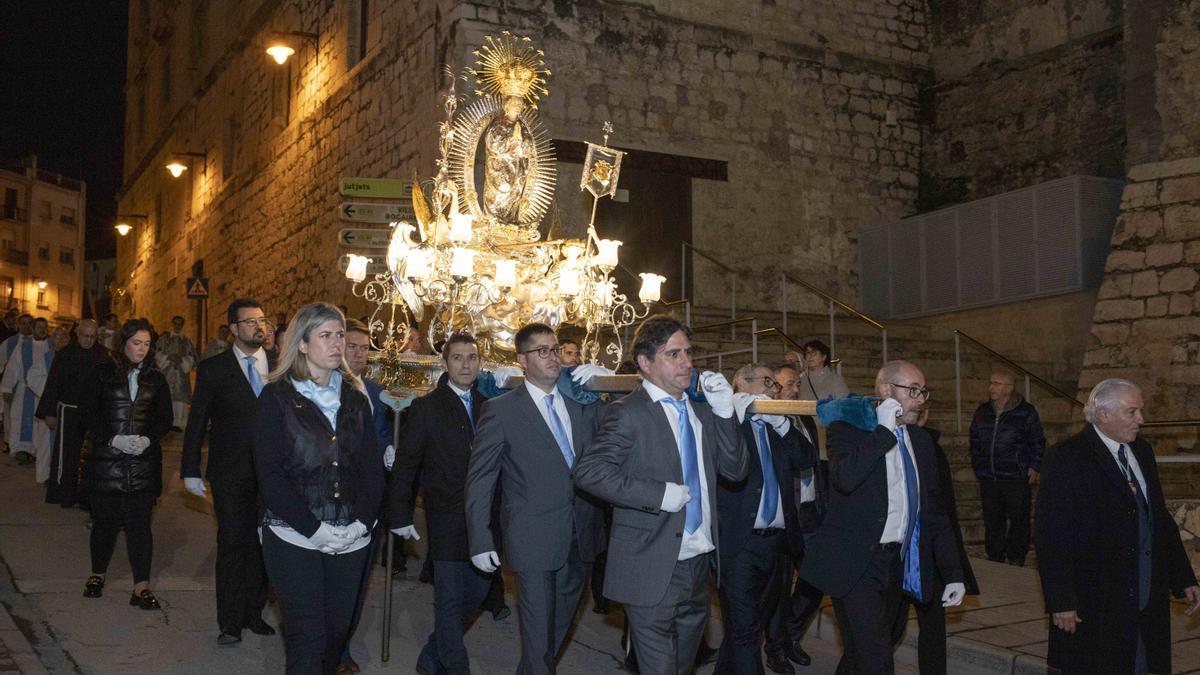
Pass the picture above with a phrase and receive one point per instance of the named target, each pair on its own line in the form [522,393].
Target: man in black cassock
[59,409]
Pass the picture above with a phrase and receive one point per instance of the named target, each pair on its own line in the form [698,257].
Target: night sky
[62,75]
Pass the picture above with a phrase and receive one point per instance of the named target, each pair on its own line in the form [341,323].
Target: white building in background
[41,242]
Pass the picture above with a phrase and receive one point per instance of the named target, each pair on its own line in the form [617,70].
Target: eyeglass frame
[923,393]
[770,383]
[544,351]
[258,321]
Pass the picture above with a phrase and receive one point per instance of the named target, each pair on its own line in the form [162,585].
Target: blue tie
[466,399]
[770,497]
[560,433]
[256,382]
[911,549]
[694,514]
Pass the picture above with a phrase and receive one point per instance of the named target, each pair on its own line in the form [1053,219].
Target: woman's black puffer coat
[108,411]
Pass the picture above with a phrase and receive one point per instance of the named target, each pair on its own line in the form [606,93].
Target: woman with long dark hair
[127,412]
[321,476]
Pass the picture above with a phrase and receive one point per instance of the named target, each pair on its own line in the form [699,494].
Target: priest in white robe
[24,379]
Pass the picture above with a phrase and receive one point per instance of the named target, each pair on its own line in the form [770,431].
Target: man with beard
[175,357]
[59,410]
[226,401]
[22,385]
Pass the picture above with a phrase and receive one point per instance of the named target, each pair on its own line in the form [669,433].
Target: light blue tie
[770,497]
[256,382]
[911,550]
[694,514]
[560,433]
[466,399]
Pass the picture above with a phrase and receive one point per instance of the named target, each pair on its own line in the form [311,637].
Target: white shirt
[808,477]
[701,540]
[260,362]
[560,408]
[133,382]
[759,521]
[1113,447]
[896,524]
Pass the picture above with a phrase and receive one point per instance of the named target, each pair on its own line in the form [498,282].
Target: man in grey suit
[528,441]
[656,458]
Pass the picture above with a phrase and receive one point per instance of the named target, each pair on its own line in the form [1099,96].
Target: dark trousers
[667,635]
[751,589]
[931,638]
[794,612]
[129,511]
[546,604]
[241,579]
[1005,519]
[63,485]
[317,594]
[867,614]
[458,591]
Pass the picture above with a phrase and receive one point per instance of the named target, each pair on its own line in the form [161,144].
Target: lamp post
[279,49]
[176,167]
[123,227]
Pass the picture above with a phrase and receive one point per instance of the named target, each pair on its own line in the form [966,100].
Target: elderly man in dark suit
[529,441]
[657,457]
[1107,549]
[224,408]
[887,525]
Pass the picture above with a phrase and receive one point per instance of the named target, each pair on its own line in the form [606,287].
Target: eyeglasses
[259,321]
[768,382]
[914,391]
[544,352]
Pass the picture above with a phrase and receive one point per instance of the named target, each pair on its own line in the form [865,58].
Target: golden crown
[510,66]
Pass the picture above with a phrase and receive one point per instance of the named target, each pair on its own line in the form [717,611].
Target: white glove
[409,532]
[330,539]
[486,562]
[195,486]
[356,530]
[887,412]
[389,457]
[587,371]
[779,423]
[675,497]
[141,443]
[953,595]
[504,373]
[718,393]
[125,444]
[742,402]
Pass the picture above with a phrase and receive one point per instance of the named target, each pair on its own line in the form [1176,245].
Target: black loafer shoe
[776,662]
[705,654]
[93,587]
[260,627]
[144,600]
[798,655]
[229,636]
[502,613]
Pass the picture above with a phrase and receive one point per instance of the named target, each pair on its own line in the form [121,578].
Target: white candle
[506,273]
[568,282]
[606,255]
[356,269]
[651,287]
[602,294]
[460,227]
[417,264]
[462,262]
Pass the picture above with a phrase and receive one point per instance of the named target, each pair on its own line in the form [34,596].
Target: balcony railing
[13,212]
[16,257]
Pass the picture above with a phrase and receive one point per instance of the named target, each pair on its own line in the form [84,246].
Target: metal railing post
[1027,386]
[732,304]
[883,334]
[683,255]
[832,336]
[687,312]
[783,303]
[957,388]
[754,341]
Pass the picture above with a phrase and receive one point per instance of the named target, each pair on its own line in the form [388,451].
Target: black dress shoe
[798,655]
[778,663]
[260,627]
[502,612]
[229,636]
[705,654]
[144,600]
[93,587]
[600,606]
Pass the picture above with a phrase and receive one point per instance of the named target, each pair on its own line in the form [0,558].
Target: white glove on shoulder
[675,497]
[356,530]
[587,371]
[486,562]
[886,413]
[742,402]
[389,457]
[409,532]
[953,595]
[195,486]
[504,373]
[330,539]
[779,423]
[718,393]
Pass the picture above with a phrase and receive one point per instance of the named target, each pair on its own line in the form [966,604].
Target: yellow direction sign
[384,188]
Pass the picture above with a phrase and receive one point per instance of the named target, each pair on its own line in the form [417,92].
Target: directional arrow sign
[365,212]
[364,237]
[387,188]
[374,267]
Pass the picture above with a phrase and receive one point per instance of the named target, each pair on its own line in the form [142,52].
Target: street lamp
[123,228]
[280,50]
[176,168]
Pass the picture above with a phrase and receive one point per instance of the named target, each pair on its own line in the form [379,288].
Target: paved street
[44,558]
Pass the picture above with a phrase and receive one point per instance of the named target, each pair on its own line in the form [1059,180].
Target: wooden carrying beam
[626,383]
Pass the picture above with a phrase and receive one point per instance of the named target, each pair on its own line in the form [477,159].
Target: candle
[460,227]
[606,255]
[568,282]
[356,268]
[506,273]
[417,264]
[602,294]
[462,262]
[651,287]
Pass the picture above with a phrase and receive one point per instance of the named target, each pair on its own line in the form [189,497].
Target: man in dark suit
[223,407]
[1108,551]
[759,522]
[529,441]
[436,441]
[656,458]
[887,525]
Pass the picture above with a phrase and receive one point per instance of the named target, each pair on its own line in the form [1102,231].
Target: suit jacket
[630,462]
[435,442]
[224,406]
[738,501]
[839,552]
[1087,541]
[810,514]
[540,509]
[380,413]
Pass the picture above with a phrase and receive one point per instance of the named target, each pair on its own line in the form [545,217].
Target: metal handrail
[834,304]
[733,279]
[874,323]
[1171,423]
[722,324]
[720,355]
[1029,375]
[785,336]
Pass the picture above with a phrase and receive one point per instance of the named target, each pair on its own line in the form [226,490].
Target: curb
[14,641]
